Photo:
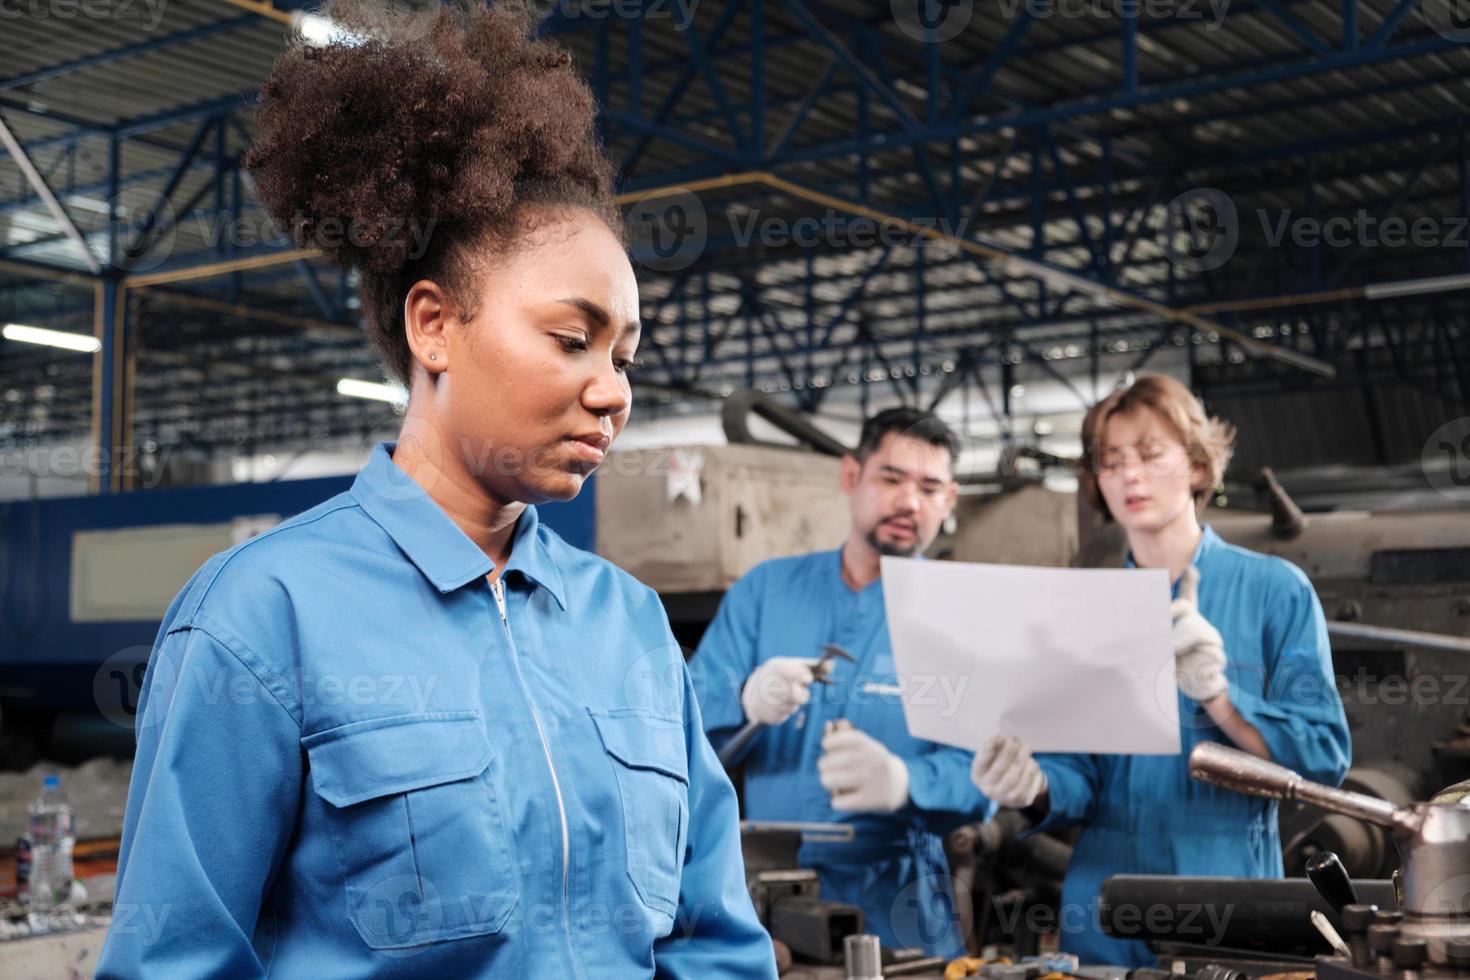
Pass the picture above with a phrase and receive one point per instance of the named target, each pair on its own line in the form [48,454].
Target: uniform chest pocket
[417,827]
[875,704]
[651,765]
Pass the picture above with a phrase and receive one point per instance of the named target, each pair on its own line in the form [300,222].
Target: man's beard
[890,549]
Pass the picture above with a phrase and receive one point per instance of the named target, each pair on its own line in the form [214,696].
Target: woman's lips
[586,450]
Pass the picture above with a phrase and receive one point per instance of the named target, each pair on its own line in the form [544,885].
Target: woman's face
[1144,471]
[532,388]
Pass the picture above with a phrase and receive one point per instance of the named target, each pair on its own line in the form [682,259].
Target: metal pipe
[246,263]
[30,270]
[1412,638]
[1224,913]
[1287,520]
[1055,275]
[1242,772]
[734,416]
[264,9]
[1277,302]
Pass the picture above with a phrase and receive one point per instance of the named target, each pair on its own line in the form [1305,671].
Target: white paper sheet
[1066,659]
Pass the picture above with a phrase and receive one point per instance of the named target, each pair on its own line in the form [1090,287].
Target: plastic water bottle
[52,840]
[23,869]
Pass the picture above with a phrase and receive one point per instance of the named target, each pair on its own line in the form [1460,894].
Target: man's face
[901,494]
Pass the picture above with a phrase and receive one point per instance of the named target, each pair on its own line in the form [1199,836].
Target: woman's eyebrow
[600,315]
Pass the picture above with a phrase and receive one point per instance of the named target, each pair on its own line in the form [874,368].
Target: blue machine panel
[48,661]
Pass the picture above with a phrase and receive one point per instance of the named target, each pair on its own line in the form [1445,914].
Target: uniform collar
[445,554]
[1208,542]
[839,582]
[875,586]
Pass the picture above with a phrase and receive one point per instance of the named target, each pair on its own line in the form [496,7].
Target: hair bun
[425,126]
[397,151]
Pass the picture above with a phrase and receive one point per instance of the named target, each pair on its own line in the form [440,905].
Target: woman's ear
[426,312]
[1200,481]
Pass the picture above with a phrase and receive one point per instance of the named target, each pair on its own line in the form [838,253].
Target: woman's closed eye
[577,345]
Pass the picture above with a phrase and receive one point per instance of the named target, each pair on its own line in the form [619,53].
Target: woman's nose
[607,393]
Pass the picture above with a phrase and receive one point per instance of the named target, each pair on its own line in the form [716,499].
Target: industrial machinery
[1416,925]
[84,581]
[788,898]
[1395,588]
[1431,889]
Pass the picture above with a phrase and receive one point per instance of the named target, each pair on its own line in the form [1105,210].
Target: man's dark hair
[912,423]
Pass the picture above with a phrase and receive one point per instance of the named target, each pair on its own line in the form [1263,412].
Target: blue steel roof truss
[987,134]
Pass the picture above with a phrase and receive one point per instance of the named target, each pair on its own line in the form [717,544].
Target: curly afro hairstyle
[421,143]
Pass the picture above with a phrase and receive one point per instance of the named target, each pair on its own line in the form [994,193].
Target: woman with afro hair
[411,732]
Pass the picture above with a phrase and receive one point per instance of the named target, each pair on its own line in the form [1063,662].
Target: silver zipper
[566,842]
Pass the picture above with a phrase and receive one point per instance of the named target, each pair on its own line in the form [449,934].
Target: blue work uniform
[358,758]
[1143,814]
[894,868]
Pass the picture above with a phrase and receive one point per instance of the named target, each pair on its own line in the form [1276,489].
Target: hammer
[820,672]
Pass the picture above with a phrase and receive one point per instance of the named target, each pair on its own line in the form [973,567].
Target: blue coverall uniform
[358,758]
[1143,814]
[894,869]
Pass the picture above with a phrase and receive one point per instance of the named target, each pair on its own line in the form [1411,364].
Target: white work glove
[860,774]
[1005,772]
[777,689]
[1199,652]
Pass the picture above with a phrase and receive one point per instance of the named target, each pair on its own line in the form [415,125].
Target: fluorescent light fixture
[85,343]
[1413,287]
[373,390]
[90,203]
[1052,276]
[322,31]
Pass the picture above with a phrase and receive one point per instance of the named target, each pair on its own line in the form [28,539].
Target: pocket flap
[381,756]
[642,739]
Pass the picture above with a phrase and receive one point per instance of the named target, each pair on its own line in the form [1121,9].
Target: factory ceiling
[833,200]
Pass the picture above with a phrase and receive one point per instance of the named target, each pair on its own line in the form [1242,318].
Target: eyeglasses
[1157,458]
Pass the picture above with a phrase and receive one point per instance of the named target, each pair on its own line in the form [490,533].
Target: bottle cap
[51,781]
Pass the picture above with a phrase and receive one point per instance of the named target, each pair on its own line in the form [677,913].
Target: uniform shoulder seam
[187,617]
[227,640]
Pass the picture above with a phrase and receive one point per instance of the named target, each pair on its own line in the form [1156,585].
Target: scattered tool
[1330,934]
[820,672]
[825,833]
[965,966]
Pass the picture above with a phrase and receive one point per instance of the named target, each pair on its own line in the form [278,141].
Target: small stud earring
[433,357]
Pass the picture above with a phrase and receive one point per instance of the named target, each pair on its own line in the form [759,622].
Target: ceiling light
[322,31]
[85,343]
[372,389]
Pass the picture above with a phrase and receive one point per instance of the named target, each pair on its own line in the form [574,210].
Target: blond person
[1251,659]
